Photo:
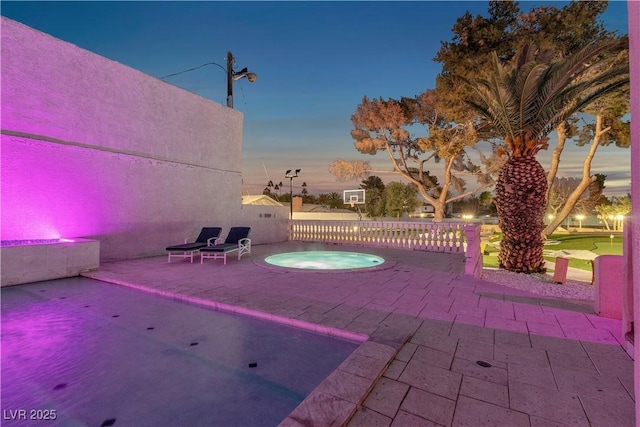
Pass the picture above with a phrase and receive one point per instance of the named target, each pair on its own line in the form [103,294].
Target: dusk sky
[315,61]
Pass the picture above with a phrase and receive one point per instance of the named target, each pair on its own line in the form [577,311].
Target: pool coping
[337,398]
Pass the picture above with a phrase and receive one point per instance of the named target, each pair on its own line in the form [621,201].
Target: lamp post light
[289,174]
[232,76]
[580,218]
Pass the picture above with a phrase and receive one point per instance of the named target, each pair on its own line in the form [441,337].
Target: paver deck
[441,347]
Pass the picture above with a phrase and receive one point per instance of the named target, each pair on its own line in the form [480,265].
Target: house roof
[259,199]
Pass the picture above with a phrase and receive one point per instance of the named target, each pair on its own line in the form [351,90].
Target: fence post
[473,255]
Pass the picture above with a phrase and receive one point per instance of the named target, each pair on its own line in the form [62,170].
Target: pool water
[93,353]
[325,260]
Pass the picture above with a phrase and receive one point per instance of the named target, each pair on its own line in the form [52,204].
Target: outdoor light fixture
[580,218]
[290,175]
[233,76]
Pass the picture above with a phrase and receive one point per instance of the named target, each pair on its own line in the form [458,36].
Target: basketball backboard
[353,197]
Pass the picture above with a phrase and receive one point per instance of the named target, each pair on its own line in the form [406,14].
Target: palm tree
[524,100]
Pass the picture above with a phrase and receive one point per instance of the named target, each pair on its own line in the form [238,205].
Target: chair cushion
[223,247]
[187,247]
[236,234]
[207,233]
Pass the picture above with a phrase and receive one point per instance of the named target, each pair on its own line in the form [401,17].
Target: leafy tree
[381,125]
[374,205]
[613,211]
[469,52]
[524,100]
[564,188]
[562,30]
[372,182]
[332,200]
[344,170]
[608,128]
[374,196]
[400,199]
[487,202]
[336,200]
[324,199]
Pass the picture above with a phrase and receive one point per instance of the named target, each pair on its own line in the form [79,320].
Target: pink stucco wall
[92,148]
[609,277]
[632,246]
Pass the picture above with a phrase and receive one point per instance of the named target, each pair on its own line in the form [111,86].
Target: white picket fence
[435,237]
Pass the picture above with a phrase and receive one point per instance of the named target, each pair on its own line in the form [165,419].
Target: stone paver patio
[439,347]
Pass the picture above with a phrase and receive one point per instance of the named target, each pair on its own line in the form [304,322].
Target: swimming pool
[97,354]
[325,260]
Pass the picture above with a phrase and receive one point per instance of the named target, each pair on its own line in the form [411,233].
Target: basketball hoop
[353,200]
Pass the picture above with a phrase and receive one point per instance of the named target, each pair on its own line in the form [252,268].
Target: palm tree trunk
[520,192]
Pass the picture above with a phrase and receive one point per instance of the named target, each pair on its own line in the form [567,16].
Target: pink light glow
[94,149]
[46,191]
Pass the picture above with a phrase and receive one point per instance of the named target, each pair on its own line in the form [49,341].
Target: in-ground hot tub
[325,260]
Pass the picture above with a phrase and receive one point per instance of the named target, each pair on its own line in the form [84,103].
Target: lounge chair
[207,236]
[237,240]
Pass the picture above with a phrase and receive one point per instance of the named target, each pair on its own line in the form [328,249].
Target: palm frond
[527,98]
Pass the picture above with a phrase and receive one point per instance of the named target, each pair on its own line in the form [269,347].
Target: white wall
[632,245]
[269,224]
[92,148]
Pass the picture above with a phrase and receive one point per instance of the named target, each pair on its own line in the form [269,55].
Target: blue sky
[315,61]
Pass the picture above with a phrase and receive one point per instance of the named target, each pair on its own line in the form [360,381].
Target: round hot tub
[324,260]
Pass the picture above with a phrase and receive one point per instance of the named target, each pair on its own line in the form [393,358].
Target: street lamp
[290,175]
[232,76]
[580,218]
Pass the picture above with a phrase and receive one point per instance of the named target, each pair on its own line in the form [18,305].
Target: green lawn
[597,243]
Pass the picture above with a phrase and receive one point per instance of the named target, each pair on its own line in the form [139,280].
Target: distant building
[424,211]
[259,200]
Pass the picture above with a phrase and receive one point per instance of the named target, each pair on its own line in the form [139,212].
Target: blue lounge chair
[237,240]
[207,236]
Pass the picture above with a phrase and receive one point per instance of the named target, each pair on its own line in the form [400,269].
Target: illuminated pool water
[324,260]
[79,352]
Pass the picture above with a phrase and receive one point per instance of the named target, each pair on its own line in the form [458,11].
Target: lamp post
[580,218]
[289,174]
[232,76]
